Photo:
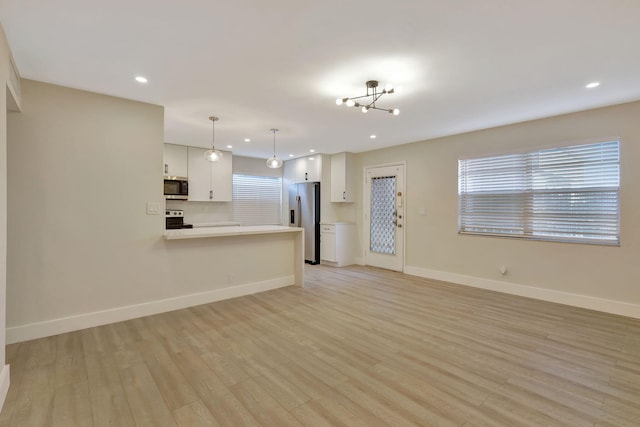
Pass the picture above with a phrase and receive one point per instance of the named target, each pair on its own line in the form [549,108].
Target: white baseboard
[359,260]
[88,320]
[567,298]
[5,380]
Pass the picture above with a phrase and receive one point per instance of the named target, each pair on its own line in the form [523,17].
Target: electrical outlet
[153,208]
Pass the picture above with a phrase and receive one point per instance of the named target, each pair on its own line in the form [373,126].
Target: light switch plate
[153,208]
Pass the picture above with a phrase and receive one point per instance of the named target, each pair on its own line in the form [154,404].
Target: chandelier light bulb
[365,109]
[339,101]
[351,103]
[388,87]
[395,111]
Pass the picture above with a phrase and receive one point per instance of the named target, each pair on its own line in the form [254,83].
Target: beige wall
[4,76]
[82,167]
[254,166]
[434,248]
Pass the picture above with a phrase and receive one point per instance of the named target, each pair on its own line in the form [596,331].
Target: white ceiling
[459,65]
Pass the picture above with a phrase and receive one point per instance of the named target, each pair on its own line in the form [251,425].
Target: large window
[257,200]
[568,194]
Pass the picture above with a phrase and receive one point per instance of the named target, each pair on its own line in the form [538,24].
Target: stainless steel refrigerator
[304,211]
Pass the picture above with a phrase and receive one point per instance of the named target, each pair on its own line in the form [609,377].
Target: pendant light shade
[274,162]
[213,155]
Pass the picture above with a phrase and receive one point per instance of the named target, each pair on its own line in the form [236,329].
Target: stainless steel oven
[174,219]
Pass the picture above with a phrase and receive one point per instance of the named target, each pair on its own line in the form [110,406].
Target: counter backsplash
[198,212]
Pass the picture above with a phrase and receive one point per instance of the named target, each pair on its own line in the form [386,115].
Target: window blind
[564,194]
[257,200]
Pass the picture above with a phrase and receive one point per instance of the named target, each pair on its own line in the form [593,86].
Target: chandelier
[373,95]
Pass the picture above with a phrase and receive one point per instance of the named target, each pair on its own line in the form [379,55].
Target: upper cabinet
[175,160]
[305,169]
[209,181]
[342,177]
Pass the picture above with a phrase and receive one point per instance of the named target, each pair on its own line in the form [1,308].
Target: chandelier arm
[376,98]
[358,97]
[378,108]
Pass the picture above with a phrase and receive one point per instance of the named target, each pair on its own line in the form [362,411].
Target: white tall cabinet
[175,160]
[342,178]
[209,181]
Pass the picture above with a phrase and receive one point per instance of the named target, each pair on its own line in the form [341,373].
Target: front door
[384,217]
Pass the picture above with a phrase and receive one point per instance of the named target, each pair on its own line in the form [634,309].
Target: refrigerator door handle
[299,209]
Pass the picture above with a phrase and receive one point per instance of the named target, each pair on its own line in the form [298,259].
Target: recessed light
[372,137]
[229,146]
[312,151]
[311,158]
[592,85]
[247,140]
[290,155]
[141,79]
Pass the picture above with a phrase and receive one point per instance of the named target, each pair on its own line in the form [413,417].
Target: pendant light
[213,155]
[274,162]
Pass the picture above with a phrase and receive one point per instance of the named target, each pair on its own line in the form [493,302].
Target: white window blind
[564,194]
[257,200]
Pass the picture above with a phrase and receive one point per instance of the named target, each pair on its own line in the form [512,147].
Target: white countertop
[336,223]
[194,233]
[215,224]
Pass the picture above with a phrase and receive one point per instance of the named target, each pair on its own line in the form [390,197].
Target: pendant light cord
[274,141]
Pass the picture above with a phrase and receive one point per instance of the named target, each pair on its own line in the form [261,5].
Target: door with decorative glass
[384,217]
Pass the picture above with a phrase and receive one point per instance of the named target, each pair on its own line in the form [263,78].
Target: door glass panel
[383,228]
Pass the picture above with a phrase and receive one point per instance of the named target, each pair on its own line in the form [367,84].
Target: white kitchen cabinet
[209,181]
[337,243]
[342,178]
[304,169]
[175,160]
[308,169]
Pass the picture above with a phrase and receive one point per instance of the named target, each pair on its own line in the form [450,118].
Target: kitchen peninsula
[250,248]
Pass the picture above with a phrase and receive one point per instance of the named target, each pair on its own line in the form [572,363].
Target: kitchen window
[257,200]
[568,194]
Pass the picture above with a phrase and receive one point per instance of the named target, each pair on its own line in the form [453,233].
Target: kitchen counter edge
[195,233]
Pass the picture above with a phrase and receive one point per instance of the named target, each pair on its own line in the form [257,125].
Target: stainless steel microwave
[176,188]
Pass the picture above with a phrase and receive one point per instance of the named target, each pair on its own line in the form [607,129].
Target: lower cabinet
[337,243]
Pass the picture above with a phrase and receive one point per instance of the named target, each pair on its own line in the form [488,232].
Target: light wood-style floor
[357,347]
